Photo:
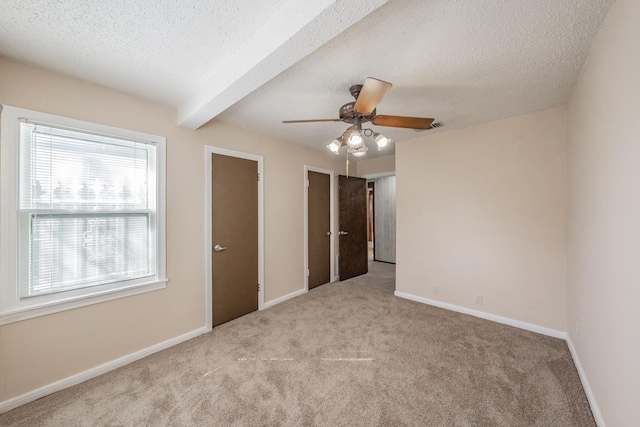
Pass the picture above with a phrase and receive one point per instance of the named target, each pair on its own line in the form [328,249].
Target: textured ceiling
[256,63]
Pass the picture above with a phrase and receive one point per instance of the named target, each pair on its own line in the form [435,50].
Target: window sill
[81,301]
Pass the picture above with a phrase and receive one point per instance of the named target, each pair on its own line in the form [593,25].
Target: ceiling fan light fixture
[381,141]
[363,110]
[335,145]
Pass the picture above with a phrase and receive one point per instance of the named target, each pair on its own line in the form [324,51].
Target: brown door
[235,237]
[319,221]
[352,195]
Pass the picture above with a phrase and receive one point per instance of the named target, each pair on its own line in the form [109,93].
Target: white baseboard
[585,384]
[284,298]
[14,402]
[488,316]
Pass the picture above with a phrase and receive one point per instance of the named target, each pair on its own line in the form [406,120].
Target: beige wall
[604,216]
[39,351]
[481,211]
[376,165]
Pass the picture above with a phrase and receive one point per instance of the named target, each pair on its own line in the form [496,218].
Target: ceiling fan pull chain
[347,164]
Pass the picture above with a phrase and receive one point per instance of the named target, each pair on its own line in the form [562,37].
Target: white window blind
[87,208]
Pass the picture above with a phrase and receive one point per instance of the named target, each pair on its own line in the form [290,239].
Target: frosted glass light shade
[358,152]
[355,139]
[334,146]
[382,142]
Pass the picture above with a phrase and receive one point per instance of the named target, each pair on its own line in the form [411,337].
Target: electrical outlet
[479,299]
[436,289]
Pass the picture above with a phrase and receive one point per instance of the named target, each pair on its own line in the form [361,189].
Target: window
[82,213]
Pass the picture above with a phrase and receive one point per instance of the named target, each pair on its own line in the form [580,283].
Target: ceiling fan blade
[402,122]
[311,121]
[371,94]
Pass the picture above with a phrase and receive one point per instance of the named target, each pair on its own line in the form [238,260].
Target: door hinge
[258,287]
[308,273]
[308,184]
[258,177]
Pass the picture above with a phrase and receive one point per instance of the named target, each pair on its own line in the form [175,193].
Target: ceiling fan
[363,110]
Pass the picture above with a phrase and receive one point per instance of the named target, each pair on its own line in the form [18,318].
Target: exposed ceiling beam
[293,32]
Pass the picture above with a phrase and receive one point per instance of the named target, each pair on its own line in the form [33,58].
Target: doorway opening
[381,217]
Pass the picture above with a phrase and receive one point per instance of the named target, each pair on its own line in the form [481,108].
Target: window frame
[12,308]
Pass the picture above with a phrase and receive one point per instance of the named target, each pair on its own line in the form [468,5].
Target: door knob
[218,248]
[328,233]
[343,233]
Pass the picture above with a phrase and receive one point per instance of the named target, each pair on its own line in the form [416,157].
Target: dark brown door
[319,221]
[235,237]
[352,195]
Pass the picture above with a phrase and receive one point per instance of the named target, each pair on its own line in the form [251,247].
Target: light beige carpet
[345,354]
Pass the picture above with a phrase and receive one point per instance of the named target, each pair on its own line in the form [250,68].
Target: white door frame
[307,169]
[208,208]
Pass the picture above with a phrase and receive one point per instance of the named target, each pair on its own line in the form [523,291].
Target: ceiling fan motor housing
[348,114]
